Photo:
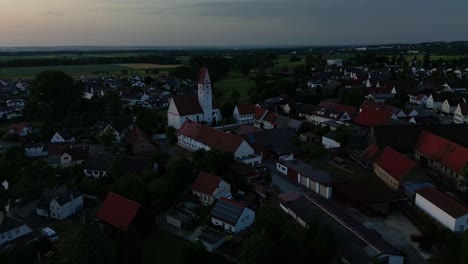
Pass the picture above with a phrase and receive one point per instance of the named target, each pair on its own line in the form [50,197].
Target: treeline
[150,58]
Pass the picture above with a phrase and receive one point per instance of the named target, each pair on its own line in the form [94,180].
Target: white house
[60,204]
[197,108]
[314,179]
[449,105]
[208,187]
[21,129]
[442,208]
[231,215]
[434,101]
[194,136]
[460,115]
[319,115]
[61,137]
[11,229]
[420,99]
[244,113]
[35,150]
[74,156]
[118,129]
[329,140]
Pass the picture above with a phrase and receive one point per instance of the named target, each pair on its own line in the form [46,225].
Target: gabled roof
[370,153]
[371,117]
[259,112]
[449,154]
[206,183]
[18,127]
[61,195]
[339,107]
[204,76]
[270,117]
[227,210]
[246,109]
[464,108]
[394,163]
[211,137]
[65,134]
[135,135]
[118,211]
[187,104]
[445,203]
[77,153]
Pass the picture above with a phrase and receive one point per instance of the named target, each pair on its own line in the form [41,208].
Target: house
[208,187]
[119,128]
[211,239]
[450,104]
[396,112]
[16,103]
[444,156]
[316,180]
[351,110]
[264,118]
[62,136]
[434,101]
[244,113]
[60,203]
[442,208]
[272,143]
[329,140]
[119,214]
[309,137]
[194,136]
[392,167]
[231,215]
[21,129]
[420,99]
[380,97]
[73,156]
[138,143]
[319,115]
[197,108]
[35,150]
[358,244]
[11,228]
[370,117]
[99,166]
[460,115]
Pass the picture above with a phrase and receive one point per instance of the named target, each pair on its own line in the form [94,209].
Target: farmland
[234,81]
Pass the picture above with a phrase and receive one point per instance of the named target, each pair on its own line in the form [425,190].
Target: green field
[75,71]
[283,61]
[72,56]
[233,81]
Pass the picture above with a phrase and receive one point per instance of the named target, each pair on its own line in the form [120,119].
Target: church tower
[205,97]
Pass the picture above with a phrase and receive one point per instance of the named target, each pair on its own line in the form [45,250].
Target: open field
[233,81]
[283,61]
[72,56]
[144,66]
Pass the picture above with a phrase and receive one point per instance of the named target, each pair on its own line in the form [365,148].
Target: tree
[180,172]
[257,249]
[131,186]
[343,135]
[235,94]
[106,138]
[91,245]
[58,89]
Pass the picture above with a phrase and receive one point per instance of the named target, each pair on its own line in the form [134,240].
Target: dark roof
[135,135]
[65,134]
[77,153]
[246,109]
[9,223]
[121,123]
[211,137]
[227,210]
[118,211]
[246,129]
[187,104]
[62,196]
[241,168]
[211,236]
[56,149]
[279,140]
[129,164]
[307,170]
[394,163]
[445,203]
[366,195]
[206,183]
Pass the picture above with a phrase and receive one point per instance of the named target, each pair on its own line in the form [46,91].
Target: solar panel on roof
[226,211]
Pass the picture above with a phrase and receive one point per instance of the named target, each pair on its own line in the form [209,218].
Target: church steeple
[205,97]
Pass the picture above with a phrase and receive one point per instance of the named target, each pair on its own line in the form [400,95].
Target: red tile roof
[211,137]
[394,163]
[339,107]
[247,129]
[17,128]
[370,153]
[118,211]
[246,109]
[204,76]
[206,183]
[187,104]
[449,154]
[259,112]
[371,117]
[442,201]
[77,153]
[135,135]
[57,149]
[379,106]
[270,117]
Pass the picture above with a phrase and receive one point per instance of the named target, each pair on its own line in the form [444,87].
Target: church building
[198,108]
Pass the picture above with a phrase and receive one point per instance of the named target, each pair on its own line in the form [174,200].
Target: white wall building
[11,228]
[244,114]
[460,115]
[60,204]
[208,188]
[442,208]
[231,215]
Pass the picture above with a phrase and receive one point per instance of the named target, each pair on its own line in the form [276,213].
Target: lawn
[73,70]
[67,231]
[283,61]
[166,248]
[72,56]
[233,81]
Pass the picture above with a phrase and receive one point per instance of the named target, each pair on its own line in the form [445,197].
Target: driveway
[280,181]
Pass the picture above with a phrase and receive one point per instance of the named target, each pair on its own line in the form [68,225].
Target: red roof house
[351,110]
[370,153]
[246,109]
[208,187]
[392,166]
[118,211]
[372,117]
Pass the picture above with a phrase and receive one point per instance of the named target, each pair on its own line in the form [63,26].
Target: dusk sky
[235,22]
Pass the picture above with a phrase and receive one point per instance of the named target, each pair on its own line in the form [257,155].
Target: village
[369,158]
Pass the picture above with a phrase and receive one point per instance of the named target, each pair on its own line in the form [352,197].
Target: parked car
[50,234]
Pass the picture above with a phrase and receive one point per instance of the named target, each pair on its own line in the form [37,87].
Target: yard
[234,81]
[67,231]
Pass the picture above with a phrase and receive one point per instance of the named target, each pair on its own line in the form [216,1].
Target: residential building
[74,156]
[319,115]
[442,208]
[99,166]
[208,188]
[450,104]
[11,228]
[60,203]
[21,129]
[197,108]
[231,215]
[316,180]
[62,136]
[244,113]
[391,167]
[119,128]
[194,136]
[329,140]
[460,115]
[138,142]
[35,150]
[420,99]
[370,117]
[444,156]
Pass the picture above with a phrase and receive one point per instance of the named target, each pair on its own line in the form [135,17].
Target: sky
[232,23]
